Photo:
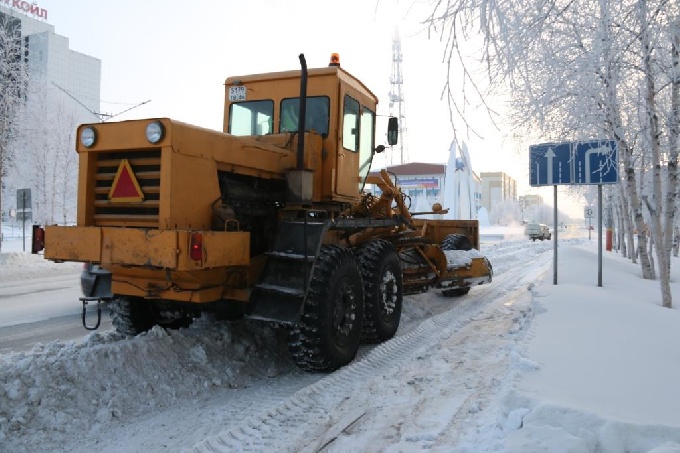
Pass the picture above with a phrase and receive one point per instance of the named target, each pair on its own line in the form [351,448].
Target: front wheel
[329,331]
[383,289]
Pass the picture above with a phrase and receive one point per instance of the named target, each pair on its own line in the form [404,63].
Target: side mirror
[392,131]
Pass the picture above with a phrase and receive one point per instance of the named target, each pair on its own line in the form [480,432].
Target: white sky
[178,54]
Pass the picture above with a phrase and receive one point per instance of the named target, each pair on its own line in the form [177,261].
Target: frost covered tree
[13,83]
[580,70]
[49,163]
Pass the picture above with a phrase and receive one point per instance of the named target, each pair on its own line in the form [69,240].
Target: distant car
[537,231]
[95,281]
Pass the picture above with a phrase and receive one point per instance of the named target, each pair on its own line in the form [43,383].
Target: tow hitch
[86,301]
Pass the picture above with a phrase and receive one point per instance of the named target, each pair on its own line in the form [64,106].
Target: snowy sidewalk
[608,360]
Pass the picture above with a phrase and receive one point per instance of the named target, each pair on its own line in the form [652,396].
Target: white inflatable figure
[449,200]
[459,184]
[465,184]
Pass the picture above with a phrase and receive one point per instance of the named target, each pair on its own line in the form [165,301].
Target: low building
[424,183]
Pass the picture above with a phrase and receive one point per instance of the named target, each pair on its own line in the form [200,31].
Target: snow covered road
[232,387]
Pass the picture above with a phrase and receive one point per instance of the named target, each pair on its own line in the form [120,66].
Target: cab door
[347,168]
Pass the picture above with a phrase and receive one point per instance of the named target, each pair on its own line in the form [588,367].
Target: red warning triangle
[125,186]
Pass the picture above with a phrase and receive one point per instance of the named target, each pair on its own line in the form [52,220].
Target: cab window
[316,117]
[350,124]
[366,144]
[251,118]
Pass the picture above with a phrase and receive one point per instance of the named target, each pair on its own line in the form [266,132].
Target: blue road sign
[596,162]
[549,164]
[593,162]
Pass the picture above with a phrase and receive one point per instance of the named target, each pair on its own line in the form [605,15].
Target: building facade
[62,89]
[424,183]
[497,187]
[48,56]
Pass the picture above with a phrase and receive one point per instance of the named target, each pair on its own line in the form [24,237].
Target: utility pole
[397,104]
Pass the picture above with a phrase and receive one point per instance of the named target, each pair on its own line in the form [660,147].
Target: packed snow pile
[461,258]
[48,390]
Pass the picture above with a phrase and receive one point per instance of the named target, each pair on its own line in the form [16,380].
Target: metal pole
[555,233]
[599,235]
[23,220]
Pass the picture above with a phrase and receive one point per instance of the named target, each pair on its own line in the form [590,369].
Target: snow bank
[16,265]
[47,391]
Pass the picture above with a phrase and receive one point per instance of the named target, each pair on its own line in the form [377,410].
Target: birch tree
[50,163]
[13,81]
[580,70]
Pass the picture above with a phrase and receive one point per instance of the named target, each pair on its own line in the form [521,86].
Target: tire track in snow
[309,407]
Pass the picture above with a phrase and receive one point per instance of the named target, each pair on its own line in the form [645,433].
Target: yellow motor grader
[269,219]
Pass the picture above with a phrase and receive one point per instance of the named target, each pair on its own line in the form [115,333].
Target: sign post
[588,214]
[24,211]
[575,163]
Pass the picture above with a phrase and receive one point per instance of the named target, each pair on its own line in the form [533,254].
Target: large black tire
[171,319]
[130,315]
[383,291]
[456,242]
[329,331]
[134,315]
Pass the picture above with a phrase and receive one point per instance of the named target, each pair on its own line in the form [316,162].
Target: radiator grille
[146,166]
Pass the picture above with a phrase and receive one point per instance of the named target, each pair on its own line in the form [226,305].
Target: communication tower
[396,96]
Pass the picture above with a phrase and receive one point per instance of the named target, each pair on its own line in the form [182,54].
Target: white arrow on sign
[549,155]
[601,150]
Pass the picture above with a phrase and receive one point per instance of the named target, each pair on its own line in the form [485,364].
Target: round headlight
[88,136]
[154,132]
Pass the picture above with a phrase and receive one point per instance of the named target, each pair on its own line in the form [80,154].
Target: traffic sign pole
[23,221]
[599,235]
[555,238]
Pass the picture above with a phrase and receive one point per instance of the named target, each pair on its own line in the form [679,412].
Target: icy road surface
[215,387]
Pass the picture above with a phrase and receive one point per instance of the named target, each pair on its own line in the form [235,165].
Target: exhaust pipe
[301,181]
[302,114]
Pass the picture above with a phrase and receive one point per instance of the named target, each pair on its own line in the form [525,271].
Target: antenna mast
[397,104]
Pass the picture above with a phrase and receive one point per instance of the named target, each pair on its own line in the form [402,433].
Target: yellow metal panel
[477,269]
[137,247]
[220,249]
[263,159]
[72,243]
[191,188]
[87,169]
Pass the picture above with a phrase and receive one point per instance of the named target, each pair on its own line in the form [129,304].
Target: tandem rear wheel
[329,331]
[134,315]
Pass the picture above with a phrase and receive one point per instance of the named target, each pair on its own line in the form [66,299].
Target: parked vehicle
[537,231]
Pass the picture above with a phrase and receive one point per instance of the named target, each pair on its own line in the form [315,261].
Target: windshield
[316,117]
[251,118]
